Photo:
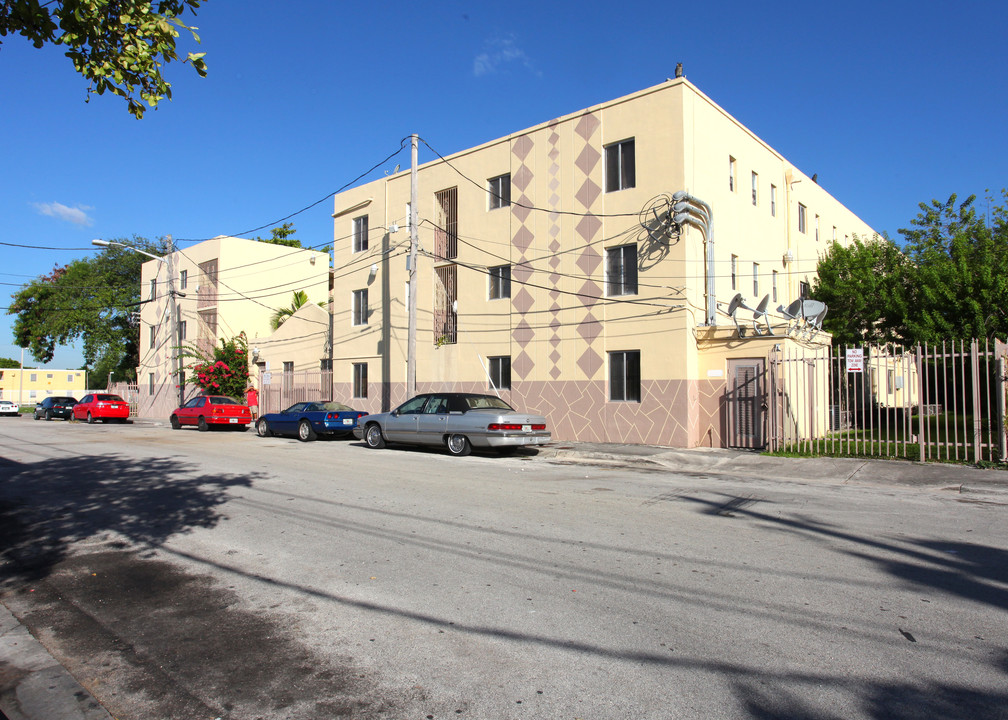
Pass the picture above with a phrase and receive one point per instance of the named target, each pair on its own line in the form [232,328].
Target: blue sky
[891,104]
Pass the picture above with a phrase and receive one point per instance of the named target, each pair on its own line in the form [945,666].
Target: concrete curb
[33,685]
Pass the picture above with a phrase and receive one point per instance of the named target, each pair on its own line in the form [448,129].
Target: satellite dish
[735,304]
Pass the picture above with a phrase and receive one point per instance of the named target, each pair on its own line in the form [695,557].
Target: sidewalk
[33,686]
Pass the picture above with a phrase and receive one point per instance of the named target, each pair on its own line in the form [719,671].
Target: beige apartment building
[585,268]
[224,286]
[33,385]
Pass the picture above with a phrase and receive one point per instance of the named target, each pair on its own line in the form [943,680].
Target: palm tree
[300,298]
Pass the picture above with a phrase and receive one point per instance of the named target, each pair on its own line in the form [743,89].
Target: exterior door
[747,403]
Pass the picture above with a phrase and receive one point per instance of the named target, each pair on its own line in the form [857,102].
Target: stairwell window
[774,286]
[734,272]
[500,372]
[755,189]
[500,282]
[801,218]
[773,201]
[731,173]
[621,270]
[621,170]
[360,380]
[755,280]
[360,234]
[360,307]
[500,191]
[624,376]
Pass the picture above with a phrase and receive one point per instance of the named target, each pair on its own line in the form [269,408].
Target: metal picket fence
[926,402]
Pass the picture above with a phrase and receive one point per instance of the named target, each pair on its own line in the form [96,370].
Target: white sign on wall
[855,360]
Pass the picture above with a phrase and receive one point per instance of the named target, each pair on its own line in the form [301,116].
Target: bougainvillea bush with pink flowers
[226,372]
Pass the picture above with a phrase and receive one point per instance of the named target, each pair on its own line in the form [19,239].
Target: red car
[206,410]
[101,406]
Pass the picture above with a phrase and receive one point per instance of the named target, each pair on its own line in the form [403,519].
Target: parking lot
[187,574]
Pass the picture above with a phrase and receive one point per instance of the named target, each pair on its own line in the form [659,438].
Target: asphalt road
[194,575]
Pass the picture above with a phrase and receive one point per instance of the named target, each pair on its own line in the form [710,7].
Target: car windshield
[483,402]
[335,407]
[221,400]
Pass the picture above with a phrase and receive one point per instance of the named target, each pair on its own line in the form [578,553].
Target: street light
[174,310]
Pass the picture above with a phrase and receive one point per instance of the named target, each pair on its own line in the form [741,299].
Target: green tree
[300,298]
[284,235]
[9,363]
[119,46]
[864,285]
[93,300]
[961,270]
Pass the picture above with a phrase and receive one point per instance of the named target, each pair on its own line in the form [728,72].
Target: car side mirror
[395,413]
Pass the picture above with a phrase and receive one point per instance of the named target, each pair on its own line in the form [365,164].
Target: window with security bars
[624,376]
[500,373]
[446,304]
[500,191]
[621,166]
[500,282]
[446,224]
[360,234]
[621,270]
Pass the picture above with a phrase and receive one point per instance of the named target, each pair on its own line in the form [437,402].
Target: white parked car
[9,408]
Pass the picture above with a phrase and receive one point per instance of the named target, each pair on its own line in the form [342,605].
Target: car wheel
[262,429]
[36,415]
[48,415]
[90,419]
[373,436]
[175,423]
[202,424]
[458,445]
[305,432]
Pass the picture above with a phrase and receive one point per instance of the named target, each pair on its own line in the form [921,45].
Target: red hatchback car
[206,410]
[101,406]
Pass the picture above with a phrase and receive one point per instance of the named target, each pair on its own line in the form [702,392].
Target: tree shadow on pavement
[46,507]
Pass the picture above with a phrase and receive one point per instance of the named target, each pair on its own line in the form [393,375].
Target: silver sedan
[458,421]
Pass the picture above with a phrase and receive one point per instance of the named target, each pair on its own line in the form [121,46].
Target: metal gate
[746,403]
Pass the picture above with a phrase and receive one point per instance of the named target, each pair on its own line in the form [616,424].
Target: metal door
[746,403]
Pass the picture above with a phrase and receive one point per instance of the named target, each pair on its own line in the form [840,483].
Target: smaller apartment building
[32,385]
[558,266]
[224,286]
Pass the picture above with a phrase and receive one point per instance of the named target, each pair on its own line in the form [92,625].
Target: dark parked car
[58,407]
[458,421]
[308,420]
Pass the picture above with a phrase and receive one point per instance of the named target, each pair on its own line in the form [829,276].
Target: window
[360,234]
[801,218]
[731,173]
[774,288]
[183,279]
[360,307]
[70,377]
[804,290]
[755,280]
[500,282]
[621,270]
[360,380]
[500,373]
[817,228]
[32,377]
[734,268]
[446,224]
[150,383]
[773,201]
[890,381]
[500,191]
[153,289]
[49,376]
[834,233]
[153,335]
[182,329]
[32,394]
[445,304]
[624,376]
[287,379]
[755,188]
[621,171]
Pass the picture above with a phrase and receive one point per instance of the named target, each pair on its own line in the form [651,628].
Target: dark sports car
[308,420]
